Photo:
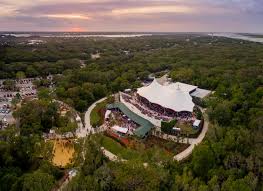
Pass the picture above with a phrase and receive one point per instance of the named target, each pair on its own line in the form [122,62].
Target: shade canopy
[175,96]
[107,114]
[145,126]
[196,123]
[119,129]
[182,86]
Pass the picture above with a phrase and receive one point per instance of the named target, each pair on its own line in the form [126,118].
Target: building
[144,126]
[174,97]
[157,103]
[196,124]
[139,111]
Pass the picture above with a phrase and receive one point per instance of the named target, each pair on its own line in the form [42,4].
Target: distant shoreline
[246,36]
[253,37]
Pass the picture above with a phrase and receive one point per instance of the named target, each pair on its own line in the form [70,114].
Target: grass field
[188,130]
[97,114]
[145,150]
[116,148]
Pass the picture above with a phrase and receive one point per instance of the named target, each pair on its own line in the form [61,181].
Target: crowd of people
[156,111]
[120,119]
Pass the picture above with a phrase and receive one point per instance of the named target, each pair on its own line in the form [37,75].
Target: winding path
[87,128]
[193,142]
[184,154]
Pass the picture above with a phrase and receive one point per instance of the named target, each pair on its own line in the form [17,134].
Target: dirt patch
[63,151]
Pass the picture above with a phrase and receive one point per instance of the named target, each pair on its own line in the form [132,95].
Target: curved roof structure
[145,125]
[171,96]
[184,87]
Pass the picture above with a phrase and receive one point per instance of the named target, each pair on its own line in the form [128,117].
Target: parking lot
[24,87]
[21,89]
[6,114]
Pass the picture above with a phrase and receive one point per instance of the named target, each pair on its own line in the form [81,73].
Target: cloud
[153,9]
[134,15]
[67,16]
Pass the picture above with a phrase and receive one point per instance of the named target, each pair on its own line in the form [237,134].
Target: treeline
[25,156]
[25,160]
[56,55]
[229,159]
[37,69]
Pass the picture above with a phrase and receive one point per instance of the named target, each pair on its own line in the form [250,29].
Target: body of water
[74,35]
[238,36]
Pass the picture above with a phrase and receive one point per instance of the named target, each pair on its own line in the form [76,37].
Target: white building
[174,96]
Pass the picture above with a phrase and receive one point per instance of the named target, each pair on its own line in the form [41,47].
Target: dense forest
[229,159]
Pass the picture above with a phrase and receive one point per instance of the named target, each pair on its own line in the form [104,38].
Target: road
[193,142]
[88,128]
[80,131]
[184,154]
[84,130]
[111,156]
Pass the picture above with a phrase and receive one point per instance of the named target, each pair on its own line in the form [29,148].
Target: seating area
[137,125]
[120,119]
[156,111]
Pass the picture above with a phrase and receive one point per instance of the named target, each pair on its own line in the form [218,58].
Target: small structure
[200,93]
[95,56]
[78,119]
[145,126]
[176,129]
[118,129]
[63,113]
[196,123]
[52,131]
[127,90]
[107,114]
[72,173]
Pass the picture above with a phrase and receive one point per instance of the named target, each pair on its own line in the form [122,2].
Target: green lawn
[116,148]
[97,114]
[187,129]
[96,117]
[142,151]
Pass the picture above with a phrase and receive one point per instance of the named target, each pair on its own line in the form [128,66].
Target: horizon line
[36,31]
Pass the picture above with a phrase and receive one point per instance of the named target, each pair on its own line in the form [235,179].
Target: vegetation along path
[184,154]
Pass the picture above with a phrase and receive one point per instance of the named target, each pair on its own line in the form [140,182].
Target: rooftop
[145,126]
[174,96]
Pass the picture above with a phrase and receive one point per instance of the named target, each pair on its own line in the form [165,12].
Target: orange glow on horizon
[77,29]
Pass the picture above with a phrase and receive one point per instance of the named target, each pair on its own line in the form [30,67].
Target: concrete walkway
[184,154]
[111,156]
[80,130]
[87,126]
[193,142]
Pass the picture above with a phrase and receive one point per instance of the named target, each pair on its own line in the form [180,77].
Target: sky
[132,15]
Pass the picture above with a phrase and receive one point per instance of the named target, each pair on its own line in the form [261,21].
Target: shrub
[167,127]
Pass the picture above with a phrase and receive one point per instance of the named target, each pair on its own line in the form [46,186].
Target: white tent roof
[167,96]
[201,93]
[107,114]
[119,129]
[196,123]
[78,118]
[182,86]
